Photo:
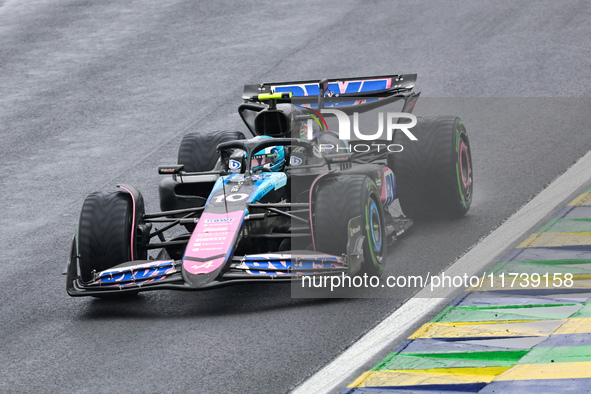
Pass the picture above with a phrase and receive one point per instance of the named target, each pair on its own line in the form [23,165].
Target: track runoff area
[521,329]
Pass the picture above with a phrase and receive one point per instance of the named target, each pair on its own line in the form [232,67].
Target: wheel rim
[465,170]
[375,226]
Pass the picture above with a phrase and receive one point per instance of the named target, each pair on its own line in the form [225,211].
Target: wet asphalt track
[95,93]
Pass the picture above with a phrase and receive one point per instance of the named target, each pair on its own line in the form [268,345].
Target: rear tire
[434,173]
[104,232]
[197,151]
[341,199]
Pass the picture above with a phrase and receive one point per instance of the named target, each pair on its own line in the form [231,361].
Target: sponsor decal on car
[295,161]
[338,87]
[157,269]
[234,165]
[222,220]
[388,187]
[213,236]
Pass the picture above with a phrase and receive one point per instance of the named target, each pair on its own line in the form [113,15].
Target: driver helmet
[272,157]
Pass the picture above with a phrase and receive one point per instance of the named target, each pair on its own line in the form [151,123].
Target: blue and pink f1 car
[293,200]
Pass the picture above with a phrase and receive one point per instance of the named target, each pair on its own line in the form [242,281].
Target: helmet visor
[259,161]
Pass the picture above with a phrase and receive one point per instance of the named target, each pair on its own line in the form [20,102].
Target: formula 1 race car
[296,199]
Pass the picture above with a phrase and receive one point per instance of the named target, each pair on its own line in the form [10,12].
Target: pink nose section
[211,242]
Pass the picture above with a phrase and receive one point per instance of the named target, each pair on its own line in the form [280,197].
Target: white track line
[418,308]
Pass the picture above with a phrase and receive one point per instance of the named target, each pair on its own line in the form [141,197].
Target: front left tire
[340,199]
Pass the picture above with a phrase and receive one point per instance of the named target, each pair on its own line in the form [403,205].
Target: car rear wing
[358,94]
[349,95]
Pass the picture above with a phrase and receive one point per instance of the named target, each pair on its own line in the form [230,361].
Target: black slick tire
[104,232]
[340,199]
[434,174]
[197,151]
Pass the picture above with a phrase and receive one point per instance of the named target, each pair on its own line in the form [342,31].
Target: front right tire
[105,232]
